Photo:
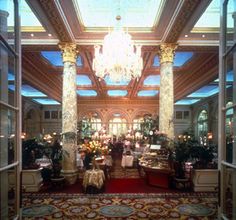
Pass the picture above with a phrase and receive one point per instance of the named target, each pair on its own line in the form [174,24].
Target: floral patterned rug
[120,206]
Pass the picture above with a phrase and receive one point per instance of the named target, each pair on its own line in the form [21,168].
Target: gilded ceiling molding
[139,102]
[167,53]
[54,16]
[189,6]
[69,52]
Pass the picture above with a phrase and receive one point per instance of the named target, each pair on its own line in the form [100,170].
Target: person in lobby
[87,156]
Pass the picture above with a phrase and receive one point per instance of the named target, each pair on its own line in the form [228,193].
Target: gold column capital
[69,52]
[167,53]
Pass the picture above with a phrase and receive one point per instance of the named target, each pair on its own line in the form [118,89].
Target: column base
[70,176]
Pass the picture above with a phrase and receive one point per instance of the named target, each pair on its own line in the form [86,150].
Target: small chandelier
[119,59]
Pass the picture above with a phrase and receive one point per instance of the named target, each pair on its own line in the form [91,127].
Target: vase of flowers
[94,149]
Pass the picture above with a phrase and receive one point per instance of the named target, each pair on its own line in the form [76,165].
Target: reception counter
[157,176]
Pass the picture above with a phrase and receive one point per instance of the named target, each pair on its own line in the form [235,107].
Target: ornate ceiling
[162,21]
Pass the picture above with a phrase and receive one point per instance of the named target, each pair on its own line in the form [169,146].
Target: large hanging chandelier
[119,58]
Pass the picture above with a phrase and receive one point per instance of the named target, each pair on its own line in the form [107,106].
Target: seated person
[80,158]
[146,148]
[87,161]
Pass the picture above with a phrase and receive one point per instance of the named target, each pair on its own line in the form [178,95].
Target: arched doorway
[90,123]
[118,126]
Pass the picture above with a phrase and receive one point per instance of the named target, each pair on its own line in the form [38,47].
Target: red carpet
[115,186]
[132,186]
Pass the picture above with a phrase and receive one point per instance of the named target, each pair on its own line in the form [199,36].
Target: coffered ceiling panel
[149,22]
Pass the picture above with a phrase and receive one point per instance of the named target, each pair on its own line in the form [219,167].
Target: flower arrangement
[95,148]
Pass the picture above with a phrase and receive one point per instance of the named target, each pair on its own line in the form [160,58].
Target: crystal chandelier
[119,58]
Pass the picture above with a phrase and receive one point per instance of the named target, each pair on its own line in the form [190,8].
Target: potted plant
[182,154]
[31,171]
[56,157]
[204,174]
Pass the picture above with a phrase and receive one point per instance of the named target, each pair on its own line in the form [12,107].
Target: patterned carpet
[120,206]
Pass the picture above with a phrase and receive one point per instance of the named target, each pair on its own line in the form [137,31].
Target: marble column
[69,112]
[166,103]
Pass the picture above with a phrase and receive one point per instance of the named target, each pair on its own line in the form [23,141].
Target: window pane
[8,195]
[7,136]
[178,115]
[7,20]
[47,114]
[7,76]
[228,195]
[186,114]
[230,77]
[230,22]
[137,123]
[54,114]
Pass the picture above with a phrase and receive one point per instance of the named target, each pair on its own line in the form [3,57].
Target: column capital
[69,52]
[167,52]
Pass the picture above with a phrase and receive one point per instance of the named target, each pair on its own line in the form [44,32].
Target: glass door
[10,110]
[227,111]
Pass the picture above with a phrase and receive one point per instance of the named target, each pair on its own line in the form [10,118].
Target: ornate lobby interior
[55,97]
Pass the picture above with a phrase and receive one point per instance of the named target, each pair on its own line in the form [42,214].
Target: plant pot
[205,180]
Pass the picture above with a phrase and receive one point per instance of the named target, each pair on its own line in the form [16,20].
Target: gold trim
[69,52]
[213,30]
[129,29]
[167,53]
[28,29]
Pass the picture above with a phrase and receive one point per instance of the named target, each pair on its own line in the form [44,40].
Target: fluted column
[69,112]
[166,109]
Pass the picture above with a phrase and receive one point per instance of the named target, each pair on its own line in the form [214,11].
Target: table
[94,178]
[127,161]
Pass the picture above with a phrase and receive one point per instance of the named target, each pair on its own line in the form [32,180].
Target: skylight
[47,101]
[147,92]
[83,80]
[28,91]
[109,82]
[55,58]
[187,101]
[210,20]
[11,77]
[134,13]
[117,114]
[87,92]
[205,91]
[180,59]
[229,77]
[29,22]
[152,80]
[117,92]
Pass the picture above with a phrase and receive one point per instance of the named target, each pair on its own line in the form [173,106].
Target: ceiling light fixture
[119,58]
